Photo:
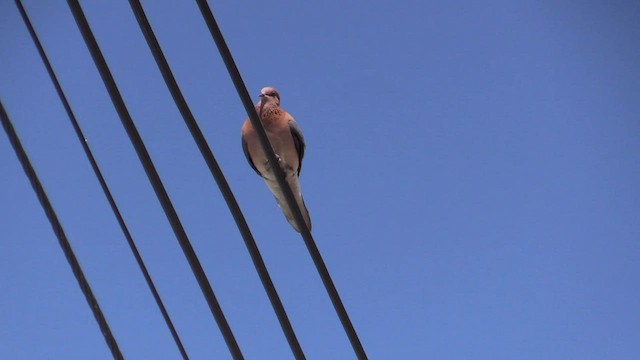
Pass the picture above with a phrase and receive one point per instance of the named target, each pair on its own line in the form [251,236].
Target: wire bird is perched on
[287,142]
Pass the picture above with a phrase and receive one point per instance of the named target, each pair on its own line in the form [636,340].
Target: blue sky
[472,173]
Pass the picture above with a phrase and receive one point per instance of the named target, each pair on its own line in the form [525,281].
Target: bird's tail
[294,183]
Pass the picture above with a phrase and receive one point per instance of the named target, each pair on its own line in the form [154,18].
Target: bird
[287,142]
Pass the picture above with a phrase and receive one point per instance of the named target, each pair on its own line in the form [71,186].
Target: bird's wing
[298,141]
[245,149]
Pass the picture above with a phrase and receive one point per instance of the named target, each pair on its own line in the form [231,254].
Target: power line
[257,125]
[59,231]
[154,178]
[101,179]
[218,175]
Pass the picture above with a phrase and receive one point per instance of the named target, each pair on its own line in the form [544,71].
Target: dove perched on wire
[288,144]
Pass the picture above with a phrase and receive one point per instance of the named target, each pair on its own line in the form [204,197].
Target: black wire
[59,231]
[154,178]
[101,179]
[218,175]
[257,125]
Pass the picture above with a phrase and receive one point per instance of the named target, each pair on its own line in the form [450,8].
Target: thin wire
[101,179]
[218,175]
[257,125]
[154,178]
[59,231]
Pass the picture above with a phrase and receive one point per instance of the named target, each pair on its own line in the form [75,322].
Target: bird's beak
[261,95]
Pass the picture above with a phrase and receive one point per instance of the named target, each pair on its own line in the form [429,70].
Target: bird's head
[269,95]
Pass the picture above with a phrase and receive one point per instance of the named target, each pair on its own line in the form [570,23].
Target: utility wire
[154,178]
[218,175]
[59,231]
[257,125]
[101,179]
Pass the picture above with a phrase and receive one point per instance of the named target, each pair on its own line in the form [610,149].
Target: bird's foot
[267,165]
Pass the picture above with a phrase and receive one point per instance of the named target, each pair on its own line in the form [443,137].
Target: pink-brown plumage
[287,142]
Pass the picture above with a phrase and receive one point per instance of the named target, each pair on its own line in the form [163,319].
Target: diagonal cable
[154,178]
[59,231]
[101,179]
[257,125]
[218,175]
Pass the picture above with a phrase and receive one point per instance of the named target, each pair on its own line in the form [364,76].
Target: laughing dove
[288,144]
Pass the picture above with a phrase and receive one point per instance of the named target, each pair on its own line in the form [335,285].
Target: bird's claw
[267,165]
